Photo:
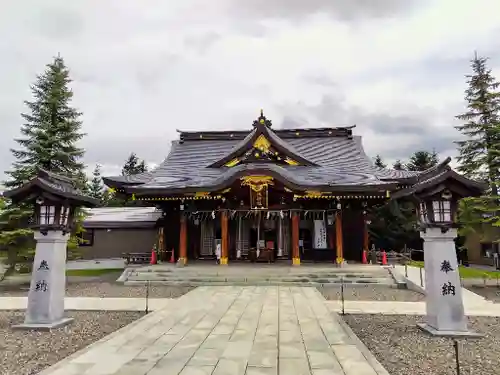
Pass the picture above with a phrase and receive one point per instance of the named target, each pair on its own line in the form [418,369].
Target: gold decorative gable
[258,190]
[262,144]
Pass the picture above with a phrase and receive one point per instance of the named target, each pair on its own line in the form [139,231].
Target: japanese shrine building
[268,194]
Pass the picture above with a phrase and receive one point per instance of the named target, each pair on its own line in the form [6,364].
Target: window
[442,211]
[487,249]
[47,215]
[86,237]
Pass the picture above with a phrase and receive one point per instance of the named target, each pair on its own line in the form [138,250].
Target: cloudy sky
[143,69]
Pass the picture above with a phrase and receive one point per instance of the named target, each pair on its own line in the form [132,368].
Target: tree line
[52,128]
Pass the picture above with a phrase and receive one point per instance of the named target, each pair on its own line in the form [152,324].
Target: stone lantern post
[55,199]
[445,315]
[436,193]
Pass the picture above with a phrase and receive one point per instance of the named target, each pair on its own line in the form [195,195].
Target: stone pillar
[182,261]
[295,239]
[225,238]
[45,309]
[445,315]
[339,241]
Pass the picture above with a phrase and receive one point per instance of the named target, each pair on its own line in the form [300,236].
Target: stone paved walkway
[229,331]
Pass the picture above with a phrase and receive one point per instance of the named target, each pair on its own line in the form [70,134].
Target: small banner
[319,234]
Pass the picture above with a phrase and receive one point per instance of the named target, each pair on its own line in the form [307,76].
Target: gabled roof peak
[262,121]
[262,145]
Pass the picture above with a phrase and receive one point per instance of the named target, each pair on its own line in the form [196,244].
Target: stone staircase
[244,274]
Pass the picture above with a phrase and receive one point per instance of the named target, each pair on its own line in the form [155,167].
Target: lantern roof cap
[445,177]
[51,185]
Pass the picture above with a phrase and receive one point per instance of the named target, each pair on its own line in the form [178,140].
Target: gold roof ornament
[262,143]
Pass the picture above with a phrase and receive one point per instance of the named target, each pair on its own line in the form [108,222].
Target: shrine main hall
[265,194]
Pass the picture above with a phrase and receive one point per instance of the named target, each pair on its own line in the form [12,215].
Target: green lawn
[93,272]
[465,272]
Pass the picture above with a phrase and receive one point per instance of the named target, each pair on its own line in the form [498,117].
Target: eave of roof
[475,188]
[286,177]
[51,187]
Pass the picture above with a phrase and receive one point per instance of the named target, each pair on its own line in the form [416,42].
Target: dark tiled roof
[53,183]
[121,217]
[339,156]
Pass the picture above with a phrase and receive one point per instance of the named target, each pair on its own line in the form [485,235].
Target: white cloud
[141,71]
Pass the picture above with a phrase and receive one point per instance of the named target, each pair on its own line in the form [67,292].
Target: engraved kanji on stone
[446,266]
[43,265]
[447,289]
[41,286]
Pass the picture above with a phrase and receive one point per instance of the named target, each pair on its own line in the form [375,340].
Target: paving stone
[353,362]
[292,350]
[322,359]
[238,349]
[261,371]
[215,341]
[327,372]
[197,370]
[230,367]
[290,336]
[260,357]
[205,357]
[293,366]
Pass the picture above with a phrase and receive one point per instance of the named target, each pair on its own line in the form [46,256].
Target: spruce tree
[51,129]
[378,162]
[96,187]
[398,166]
[133,165]
[422,160]
[48,140]
[479,150]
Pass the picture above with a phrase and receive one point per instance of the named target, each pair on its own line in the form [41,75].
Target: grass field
[465,272]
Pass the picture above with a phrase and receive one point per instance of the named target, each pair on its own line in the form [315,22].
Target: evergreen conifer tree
[378,162]
[479,150]
[50,133]
[398,166]
[133,165]
[422,160]
[96,187]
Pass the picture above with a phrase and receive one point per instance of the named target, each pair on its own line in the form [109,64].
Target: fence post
[147,297]
[342,294]
[455,345]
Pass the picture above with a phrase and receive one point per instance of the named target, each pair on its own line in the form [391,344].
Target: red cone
[153,257]
[364,260]
[384,258]
[172,257]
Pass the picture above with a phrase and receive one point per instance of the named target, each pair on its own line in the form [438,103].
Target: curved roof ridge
[261,128]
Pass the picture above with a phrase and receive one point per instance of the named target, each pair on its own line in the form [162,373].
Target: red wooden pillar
[183,242]
[225,238]
[295,239]
[338,237]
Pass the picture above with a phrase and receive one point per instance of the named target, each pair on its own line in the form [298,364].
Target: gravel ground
[28,352]
[403,349]
[491,293]
[371,292]
[104,289]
